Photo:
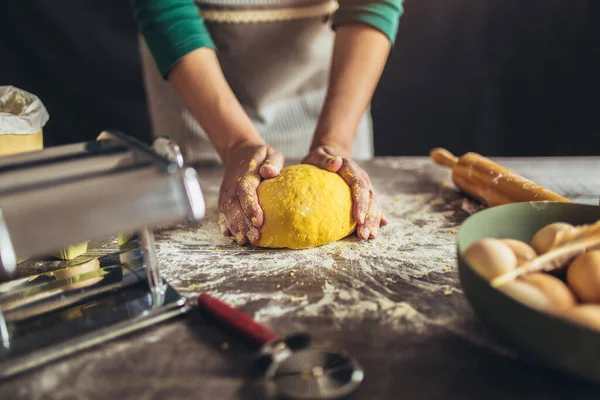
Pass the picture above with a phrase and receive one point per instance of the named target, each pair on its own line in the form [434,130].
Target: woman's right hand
[246,165]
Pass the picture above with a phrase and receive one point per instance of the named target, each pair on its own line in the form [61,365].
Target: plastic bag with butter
[22,119]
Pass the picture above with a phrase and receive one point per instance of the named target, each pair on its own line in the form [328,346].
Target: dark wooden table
[395,303]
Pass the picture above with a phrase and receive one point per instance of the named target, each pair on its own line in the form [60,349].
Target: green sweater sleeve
[381,14]
[172,29]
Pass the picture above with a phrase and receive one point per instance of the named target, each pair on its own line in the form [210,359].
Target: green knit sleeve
[172,29]
[381,14]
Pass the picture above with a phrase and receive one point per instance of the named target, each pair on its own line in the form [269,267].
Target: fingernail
[239,237]
[223,229]
[272,167]
[329,160]
[255,222]
[253,235]
[366,232]
[270,170]
[374,233]
[361,217]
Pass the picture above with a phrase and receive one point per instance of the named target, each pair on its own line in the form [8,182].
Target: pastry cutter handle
[238,322]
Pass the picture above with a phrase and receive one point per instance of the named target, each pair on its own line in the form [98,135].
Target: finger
[363,232]
[226,201]
[374,216]
[248,198]
[359,187]
[223,225]
[272,165]
[244,230]
[323,158]
[238,224]
[376,224]
[370,229]
[384,221]
[246,192]
[253,235]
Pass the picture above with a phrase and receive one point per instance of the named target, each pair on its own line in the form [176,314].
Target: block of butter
[22,119]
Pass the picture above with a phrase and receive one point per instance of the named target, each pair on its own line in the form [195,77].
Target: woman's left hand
[366,210]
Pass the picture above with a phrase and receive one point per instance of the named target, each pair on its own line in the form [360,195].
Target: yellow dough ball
[304,207]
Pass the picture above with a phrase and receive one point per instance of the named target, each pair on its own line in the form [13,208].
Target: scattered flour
[413,259]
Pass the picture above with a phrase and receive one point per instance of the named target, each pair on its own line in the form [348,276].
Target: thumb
[322,158]
[272,165]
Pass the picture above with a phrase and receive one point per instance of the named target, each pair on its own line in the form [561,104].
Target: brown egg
[490,258]
[522,250]
[559,294]
[585,314]
[544,238]
[528,295]
[583,276]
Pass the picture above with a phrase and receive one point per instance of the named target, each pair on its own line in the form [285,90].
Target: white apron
[276,56]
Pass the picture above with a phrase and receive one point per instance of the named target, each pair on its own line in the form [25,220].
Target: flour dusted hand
[366,210]
[240,214]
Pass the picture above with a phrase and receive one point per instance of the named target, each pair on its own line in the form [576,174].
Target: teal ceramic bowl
[543,338]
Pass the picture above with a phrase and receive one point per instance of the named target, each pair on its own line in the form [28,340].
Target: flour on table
[413,258]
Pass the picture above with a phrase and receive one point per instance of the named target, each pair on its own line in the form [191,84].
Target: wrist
[335,129]
[232,147]
[340,144]
[236,131]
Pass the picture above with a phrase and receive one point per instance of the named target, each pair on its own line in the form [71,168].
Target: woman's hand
[359,55]
[246,164]
[366,210]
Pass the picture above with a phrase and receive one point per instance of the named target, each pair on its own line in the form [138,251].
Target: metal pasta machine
[113,187]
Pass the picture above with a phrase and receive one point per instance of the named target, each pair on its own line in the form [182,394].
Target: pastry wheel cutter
[292,369]
[87,191]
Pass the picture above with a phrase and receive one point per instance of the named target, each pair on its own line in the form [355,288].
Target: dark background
[500,77]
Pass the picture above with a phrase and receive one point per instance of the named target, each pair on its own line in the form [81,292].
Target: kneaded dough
[304,207]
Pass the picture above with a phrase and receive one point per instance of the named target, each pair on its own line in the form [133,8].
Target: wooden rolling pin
[489,182]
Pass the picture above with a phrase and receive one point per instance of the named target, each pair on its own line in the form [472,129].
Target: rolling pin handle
[443,157]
